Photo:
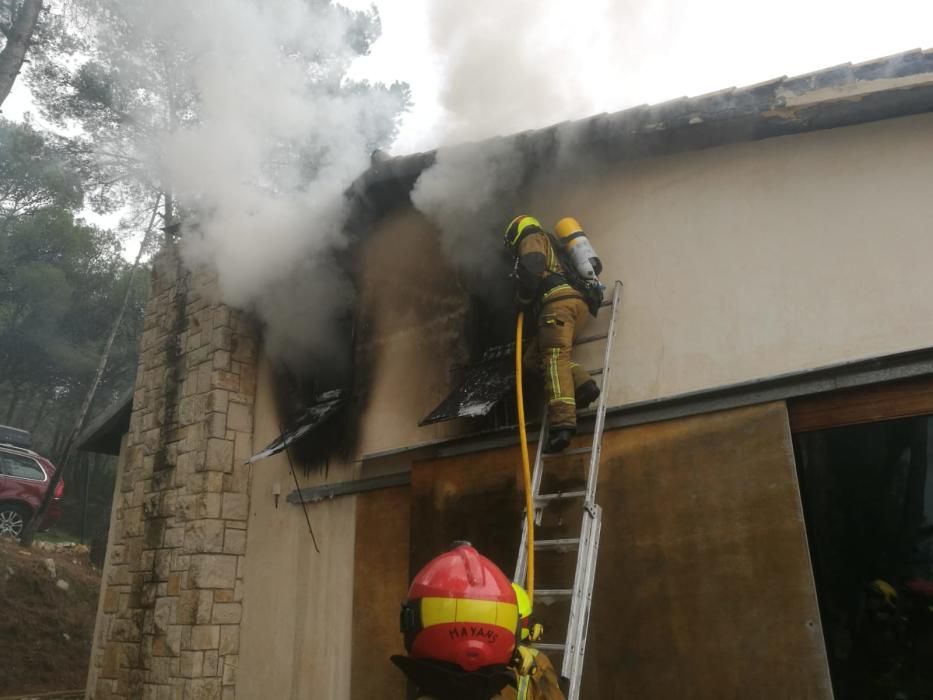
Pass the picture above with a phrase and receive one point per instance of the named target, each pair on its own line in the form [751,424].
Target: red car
[24,479]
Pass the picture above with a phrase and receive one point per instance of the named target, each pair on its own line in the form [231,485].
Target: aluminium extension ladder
[587,544]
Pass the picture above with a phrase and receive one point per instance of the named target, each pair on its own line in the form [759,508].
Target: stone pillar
[171,604]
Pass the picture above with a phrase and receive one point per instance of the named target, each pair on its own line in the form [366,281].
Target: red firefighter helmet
[461,609]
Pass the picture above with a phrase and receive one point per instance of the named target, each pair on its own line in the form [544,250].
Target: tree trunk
[168,212]
[14,402]
[17,43]
[40,414]
[58,437]
[29,532]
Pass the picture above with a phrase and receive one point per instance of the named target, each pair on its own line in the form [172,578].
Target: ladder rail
[581,595]
[603,404]
[568,663]
[583,618]
[578,622]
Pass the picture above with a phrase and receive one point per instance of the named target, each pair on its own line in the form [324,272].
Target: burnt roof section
[844,95]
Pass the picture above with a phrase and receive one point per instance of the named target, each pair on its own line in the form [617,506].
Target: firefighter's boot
[586,394]
[558,439]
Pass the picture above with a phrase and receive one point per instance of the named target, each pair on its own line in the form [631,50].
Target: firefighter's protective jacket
[541,277]
[560,314]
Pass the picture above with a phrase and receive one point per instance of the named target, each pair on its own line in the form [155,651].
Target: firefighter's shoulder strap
[592,291]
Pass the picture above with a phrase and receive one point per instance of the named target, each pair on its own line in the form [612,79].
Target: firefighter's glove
[524,660]
[536,632]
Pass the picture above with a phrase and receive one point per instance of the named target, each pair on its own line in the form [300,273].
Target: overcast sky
[612,54]
[480,67]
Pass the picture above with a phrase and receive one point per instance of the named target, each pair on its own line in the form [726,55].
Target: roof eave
[846,95]
[105,432]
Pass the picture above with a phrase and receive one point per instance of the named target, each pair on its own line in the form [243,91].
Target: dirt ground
[45,631]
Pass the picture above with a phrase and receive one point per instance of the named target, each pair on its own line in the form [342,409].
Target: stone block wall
[173,581]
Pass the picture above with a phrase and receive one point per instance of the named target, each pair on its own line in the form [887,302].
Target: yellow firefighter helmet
[519,226]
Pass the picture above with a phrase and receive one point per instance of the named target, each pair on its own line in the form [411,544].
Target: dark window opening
[315,418]
[868,499]
[483,390]
[309,420]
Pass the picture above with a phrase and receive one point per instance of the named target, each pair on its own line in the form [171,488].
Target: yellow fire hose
[526,467]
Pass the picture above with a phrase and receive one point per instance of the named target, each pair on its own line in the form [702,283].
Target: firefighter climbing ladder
[587,544]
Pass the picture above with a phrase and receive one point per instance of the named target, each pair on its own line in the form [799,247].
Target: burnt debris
[300,426]
[484,385]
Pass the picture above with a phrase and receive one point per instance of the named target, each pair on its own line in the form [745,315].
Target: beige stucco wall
[295,632]
[761,258]
[413,311]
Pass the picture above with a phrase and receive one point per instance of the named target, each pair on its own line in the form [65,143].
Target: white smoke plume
[274,138]
[530,63]
[509,67]
[267,225]
[468,194]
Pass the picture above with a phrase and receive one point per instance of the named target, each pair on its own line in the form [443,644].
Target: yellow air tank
[578,248]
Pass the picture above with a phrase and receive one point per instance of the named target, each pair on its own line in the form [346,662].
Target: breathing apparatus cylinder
[579,249]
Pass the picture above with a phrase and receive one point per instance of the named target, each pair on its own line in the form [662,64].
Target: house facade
[766,454]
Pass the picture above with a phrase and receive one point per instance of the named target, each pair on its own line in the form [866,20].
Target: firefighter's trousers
[559,325]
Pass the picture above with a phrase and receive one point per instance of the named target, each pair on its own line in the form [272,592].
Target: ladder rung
[565,543]
[549,647]
[554,592]
[605,303]
[596,372]
[591,338]
[564,495]
[568,453]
